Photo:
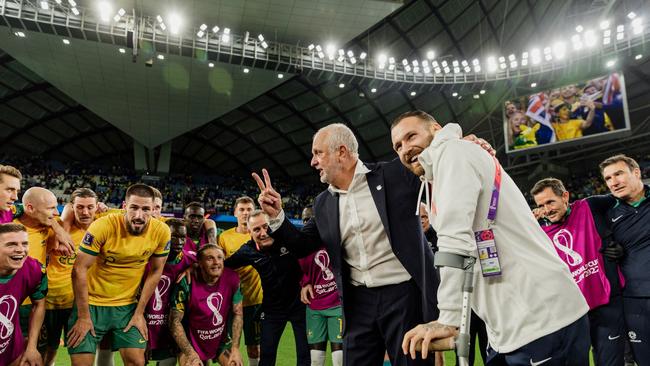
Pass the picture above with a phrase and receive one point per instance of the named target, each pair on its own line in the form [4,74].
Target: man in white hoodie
[534,312]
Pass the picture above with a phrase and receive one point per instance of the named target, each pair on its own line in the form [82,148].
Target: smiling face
[553,206]
[211,262]
[410,137]
[564,112]
[13,251]
[568,91]
[516,121]
[259,229]
[325,160]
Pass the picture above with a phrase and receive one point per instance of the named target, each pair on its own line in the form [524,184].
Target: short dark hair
[553,183]
[140,190]
[416,113]
[83,193]
[194,204]
[204,247]
[175,223]
[244,199]
[9,170]
[156,193]
[631,163]
[11,228]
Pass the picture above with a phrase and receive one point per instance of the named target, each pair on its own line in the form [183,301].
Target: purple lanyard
[496,187]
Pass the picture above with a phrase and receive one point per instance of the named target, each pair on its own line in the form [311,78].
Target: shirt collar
[359,169]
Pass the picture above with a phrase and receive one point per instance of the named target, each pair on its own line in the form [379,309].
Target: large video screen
[594,109]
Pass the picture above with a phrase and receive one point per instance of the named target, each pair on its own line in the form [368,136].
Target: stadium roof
[87,102]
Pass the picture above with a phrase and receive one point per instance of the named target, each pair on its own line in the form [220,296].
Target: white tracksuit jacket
[535,295]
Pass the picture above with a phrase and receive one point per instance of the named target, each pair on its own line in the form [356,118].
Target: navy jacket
[394,190]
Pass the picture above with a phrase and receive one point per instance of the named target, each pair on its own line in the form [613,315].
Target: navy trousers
[607,329]
[637,320]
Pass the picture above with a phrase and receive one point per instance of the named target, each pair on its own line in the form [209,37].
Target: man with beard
[230,241]
[200,311]
[161,345]
[534,312]
[60,296]
[107,275]
[200,230]
[21,277]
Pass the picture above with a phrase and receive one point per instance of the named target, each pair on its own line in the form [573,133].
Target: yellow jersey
[122,211]
[114,279]
[568,130]
[59,275]
[40,239]
[251,285]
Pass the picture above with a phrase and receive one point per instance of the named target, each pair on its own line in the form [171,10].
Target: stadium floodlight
[75,11]
[454,63]
[475,62]
[373,90]
[477,68]
[607,40]
[405,62]
[341,52]
[512,57]
[604,24]
[66,41]
[122,50]
[492,64]
[464,63]
[444,63]
[350,53]
[425,62]
[261,38]
[340,58]
[434,63]
[631,15]
[454,94]
[353,60]
[174,23]
[559,49]
[72,3]
[159,18]
[391,67]
[45,5]
[119,15]
[503,65]
[247,70]
[19,34]
[413,93]
[200,34]
[476,96]
[203,27]
[637,26]
[535,56]
[524,55]
[416,69]
[524,62]
[225,37]
[426,69]
[280,76]
[58,2]
[407,68]
[330,50]
[482,91]
[437,70]
[533,85]
[211,65]
[590,38]
[415,63]
[341,85]
[579,28]
[513,64]
[467,69]
[247,35]
[430,55]
[363,56]
[620,32]
[577,42]
[265,45]
[456,70]
[611,63]
[319,48]
[638,57]
[311,47]
[321,55]
[161,57]
[105,11]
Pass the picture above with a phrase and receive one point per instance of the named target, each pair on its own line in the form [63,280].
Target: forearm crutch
[466,263]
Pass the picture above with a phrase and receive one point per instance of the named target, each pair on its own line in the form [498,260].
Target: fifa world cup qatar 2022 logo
[8,307]
[322,260]
[214,302]
[563,241]
[162,288]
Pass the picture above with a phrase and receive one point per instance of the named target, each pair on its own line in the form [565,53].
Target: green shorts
[56,321]
[23,318]
[252,325]
[109,321]
[324,324]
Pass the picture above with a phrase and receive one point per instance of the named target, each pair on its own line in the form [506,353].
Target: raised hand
[269,199]
[482,143]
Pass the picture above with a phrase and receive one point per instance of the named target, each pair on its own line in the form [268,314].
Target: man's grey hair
[339,135]
[256,213]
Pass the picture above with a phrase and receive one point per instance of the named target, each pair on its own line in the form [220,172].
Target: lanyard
[496,187]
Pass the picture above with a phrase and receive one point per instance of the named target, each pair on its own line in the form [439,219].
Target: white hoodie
[535,294]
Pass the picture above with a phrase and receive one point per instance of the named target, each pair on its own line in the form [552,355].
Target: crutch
[466,263]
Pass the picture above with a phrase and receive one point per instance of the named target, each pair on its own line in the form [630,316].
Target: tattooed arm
[210,230]
[180,298]
[237,325]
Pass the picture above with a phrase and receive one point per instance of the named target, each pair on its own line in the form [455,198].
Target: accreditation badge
[487,253]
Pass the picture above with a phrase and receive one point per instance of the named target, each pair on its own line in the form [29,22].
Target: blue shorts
[637,320]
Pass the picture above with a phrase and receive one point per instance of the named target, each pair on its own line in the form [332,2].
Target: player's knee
[321,346]
[336,346]
[133,359]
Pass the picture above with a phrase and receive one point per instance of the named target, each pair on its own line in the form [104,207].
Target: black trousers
[376,320]
[273,325]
